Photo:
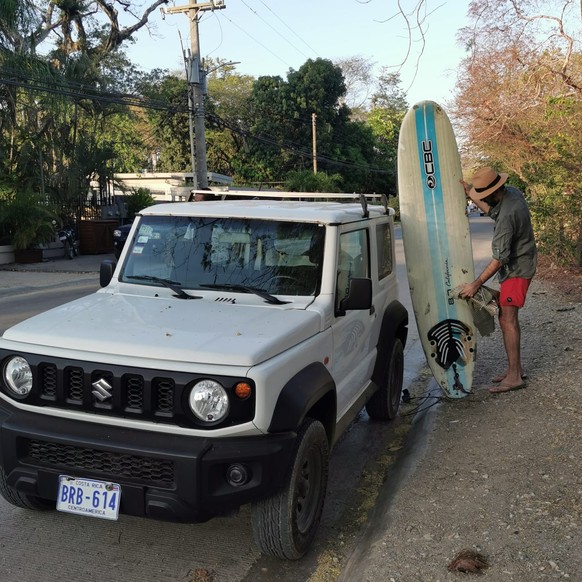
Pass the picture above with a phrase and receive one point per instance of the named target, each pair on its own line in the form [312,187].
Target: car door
[353,332]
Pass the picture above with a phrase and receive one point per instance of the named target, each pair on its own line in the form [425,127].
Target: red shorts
[512,292]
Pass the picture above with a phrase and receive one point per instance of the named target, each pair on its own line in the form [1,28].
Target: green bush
[139,199]
[26,218]
[307,181]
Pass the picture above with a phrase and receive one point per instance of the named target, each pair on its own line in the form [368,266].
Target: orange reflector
[242,390]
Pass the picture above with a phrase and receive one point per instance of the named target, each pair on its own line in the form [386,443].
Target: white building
[167,186]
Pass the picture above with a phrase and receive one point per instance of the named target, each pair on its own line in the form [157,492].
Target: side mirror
[359,295]
[106,272]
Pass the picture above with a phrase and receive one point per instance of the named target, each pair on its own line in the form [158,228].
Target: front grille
[165,395]
[74,383]
[159,396]
[103,463]
[132,395]
[134,392]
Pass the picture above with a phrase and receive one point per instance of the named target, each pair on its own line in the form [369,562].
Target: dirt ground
[502,475]
[566,281]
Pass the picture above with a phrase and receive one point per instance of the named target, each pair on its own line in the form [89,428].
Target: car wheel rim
[307,490]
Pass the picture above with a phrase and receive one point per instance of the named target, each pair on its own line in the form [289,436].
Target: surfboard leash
[458,385]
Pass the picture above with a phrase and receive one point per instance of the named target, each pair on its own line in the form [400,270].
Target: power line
[255,40]
[145,103]
[287,26]
[274,29]
[294,148]
[81,92]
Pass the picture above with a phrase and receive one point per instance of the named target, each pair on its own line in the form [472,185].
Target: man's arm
[483,206]
[469,289]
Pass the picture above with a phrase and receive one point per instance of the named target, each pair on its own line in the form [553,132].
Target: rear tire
[69,250]
[285,524]
[23,500]
[386,401]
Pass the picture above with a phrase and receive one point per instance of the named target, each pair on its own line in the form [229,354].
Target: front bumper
[162,476]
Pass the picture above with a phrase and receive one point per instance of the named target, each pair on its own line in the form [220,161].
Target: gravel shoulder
[502,474]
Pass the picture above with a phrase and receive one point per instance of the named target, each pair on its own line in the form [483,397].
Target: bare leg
[509,324]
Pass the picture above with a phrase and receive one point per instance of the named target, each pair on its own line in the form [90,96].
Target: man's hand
[483,206]
[467,188]
[469,289]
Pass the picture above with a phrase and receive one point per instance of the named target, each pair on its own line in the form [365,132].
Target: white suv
[253,333]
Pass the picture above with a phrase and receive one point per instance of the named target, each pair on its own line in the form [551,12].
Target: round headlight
[209,401]
[18,376]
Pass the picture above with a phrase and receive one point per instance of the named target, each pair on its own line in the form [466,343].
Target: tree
[168,131]
[55,110]
[228,119]
[385,118]
[72,27]
[282,127]
[358,79]
[520,105]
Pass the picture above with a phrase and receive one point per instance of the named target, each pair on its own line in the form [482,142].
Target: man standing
[514,260]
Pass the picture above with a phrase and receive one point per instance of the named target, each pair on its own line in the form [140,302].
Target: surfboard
[437,244]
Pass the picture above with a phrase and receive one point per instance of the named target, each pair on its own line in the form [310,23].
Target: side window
[353,261]
[384,245]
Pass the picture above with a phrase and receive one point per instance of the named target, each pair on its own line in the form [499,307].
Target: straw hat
[486,181]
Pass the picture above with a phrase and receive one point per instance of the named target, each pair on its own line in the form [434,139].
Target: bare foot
[503,387]
[501,377]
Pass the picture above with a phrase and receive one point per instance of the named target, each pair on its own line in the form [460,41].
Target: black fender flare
[394,325]
[301,393]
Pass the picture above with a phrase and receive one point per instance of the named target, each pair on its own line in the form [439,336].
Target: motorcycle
[68,237]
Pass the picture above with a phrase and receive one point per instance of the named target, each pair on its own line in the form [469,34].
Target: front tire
[285,524]
[385,402]
[22,500]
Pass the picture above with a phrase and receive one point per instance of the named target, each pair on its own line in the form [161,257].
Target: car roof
[295,211]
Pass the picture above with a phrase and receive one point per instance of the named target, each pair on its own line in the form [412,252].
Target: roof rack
[362,198]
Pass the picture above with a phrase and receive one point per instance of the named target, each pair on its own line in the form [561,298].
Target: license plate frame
[89,497]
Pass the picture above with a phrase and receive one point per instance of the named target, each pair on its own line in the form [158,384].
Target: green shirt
[513,241]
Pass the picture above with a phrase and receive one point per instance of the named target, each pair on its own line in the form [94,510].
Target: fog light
[238,475]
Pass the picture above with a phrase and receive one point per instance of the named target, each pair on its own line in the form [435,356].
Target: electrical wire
[255,40]
[294,148]
[77,91]
[274,29]
[287,26]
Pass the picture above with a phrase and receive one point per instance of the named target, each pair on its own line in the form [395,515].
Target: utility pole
[196,77]
[314,138]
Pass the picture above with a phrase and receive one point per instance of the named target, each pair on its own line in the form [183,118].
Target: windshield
[221,253]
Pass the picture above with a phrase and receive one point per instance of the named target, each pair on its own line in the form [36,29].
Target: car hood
[193,331]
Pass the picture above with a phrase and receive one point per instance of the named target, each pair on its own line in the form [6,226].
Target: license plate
[88,497]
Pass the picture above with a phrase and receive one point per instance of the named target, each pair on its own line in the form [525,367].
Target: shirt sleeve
[502,237]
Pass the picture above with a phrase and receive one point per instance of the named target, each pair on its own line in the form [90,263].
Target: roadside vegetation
[75,115]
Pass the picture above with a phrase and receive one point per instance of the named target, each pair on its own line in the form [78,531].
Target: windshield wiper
[173,285]
[237,287]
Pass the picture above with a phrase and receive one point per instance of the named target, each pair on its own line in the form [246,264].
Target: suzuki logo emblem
[102,390]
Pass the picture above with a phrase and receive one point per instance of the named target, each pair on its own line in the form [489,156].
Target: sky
[270,37]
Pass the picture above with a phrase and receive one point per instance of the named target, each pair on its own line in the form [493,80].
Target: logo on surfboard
[428,163]
[446,337]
